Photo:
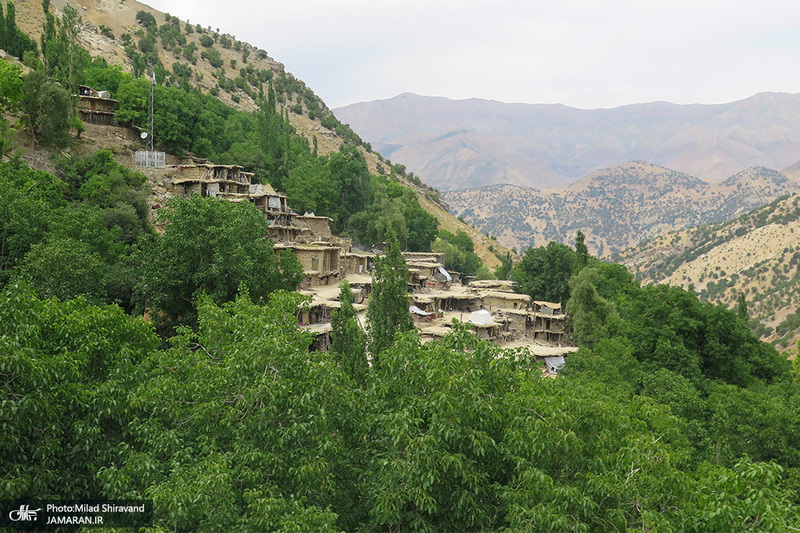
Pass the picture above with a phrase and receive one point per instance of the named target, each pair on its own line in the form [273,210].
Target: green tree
[387,313]
[10,87]
[506,265]
[741,309]
[422,228]
[146,19]
[65,269]
[348,169]
[348,340]
[588,311]
[27,198]
[212,247]
[13,40]
[70,366]
[270,427]
[46,108]
[581,252]
[544,272]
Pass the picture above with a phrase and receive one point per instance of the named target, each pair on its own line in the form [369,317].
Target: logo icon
[23,514]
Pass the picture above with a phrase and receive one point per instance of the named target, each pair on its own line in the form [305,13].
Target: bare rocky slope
[118,17]
[474,143]
[617,207]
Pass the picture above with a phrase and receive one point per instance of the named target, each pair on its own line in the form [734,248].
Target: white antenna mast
[150,110]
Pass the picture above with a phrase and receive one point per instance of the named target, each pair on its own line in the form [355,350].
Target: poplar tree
[348,341]
[388,314]
[581,252]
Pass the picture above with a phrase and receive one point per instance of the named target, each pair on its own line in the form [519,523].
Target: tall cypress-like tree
[581,252]
[348,341]
[388,314]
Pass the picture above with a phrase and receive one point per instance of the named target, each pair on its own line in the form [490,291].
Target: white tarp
[480,318]
[417,311]
[445,273]
[256,188]
[554,363]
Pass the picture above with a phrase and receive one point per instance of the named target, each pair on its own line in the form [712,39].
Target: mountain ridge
[705,140]
[616,207]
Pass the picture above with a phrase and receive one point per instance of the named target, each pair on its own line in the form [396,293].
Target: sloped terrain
[105,22]
[756,254]
[616,207]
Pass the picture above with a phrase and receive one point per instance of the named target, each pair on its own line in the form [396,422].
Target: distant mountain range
[472,143]
[617,207]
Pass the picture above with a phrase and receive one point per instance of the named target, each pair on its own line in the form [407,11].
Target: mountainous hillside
[616,207]
[756,254]
[234,72]
[473,143]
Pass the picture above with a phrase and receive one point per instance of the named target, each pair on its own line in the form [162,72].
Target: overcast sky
[582,53]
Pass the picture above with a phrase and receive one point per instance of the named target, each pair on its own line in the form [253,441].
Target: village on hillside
[437,297]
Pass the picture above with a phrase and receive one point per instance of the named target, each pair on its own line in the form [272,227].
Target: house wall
[318,225]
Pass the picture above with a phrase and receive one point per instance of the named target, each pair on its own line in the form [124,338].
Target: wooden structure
[96,107]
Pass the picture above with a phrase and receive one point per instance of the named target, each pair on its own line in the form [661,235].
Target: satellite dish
[143,135]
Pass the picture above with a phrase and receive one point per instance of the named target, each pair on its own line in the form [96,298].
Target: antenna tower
[150,111]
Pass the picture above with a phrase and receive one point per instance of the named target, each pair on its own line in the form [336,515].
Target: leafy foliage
[210,247]
[459,252]
[348,340]
[544,272]
[388,314]
[12,39]
[236,426]
[46,107]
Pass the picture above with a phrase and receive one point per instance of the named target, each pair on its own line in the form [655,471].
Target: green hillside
[166,364]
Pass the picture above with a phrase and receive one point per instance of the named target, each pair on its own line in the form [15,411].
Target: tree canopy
[210,247]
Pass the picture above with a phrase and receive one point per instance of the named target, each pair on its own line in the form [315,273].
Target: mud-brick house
[547,322]
[316,318]
[504,300]
[320,262]
[519,320]
[357,262]
[424,257]
[361,285]
[429,303]
[319,227]
[283,224]
[96,107]
[228,182]
[498,285]
[427,274]
[485,325]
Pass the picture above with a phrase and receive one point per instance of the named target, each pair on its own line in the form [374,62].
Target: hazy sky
[582,53]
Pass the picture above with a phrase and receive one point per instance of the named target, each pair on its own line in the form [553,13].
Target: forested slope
[169,366]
